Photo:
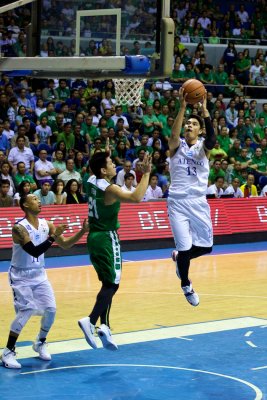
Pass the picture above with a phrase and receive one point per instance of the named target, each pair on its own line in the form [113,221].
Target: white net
[128,91]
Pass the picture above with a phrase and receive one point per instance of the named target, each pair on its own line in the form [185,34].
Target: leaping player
[188,209]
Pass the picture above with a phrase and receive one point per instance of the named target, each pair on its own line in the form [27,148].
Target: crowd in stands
[49,129]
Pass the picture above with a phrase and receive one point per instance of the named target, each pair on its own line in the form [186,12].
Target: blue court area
[212,365]
[215,360]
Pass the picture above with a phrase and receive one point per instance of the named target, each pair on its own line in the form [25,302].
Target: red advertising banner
[149,220]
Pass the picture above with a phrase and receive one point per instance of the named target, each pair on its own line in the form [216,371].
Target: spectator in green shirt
[21,176]
[67,137]
[189,73]
[242,67]
[150,121]
[223,139]
[259,163]
[63,91]
[259,130]
[264,113]
[215,171]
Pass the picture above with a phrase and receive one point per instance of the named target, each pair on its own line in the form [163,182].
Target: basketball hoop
[128,91]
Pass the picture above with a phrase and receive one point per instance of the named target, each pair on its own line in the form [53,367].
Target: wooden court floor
[230,286]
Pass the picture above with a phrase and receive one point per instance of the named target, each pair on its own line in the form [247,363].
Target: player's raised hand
[60,229]
[107,147]
[182,97]
[147,163]
[204,101]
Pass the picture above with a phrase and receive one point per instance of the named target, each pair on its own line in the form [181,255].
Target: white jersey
[189,169]
[22,260]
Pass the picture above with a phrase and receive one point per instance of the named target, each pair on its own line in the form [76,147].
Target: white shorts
[34,293]
[190,222]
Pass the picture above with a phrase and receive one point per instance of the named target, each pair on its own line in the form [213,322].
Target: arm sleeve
[36,251]
[210,135]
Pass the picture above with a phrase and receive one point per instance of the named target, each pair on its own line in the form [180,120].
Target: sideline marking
[258,392]
[251,344]
[180,331]
[257,368]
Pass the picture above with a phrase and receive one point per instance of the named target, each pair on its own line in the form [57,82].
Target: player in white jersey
[33,293]
[188,209]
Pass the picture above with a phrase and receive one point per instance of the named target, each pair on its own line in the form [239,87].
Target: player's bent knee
[21,319]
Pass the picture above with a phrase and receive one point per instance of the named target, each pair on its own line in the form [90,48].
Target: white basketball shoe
[105,336]
[41,348]
[9,359]
[191,296]
[88,330]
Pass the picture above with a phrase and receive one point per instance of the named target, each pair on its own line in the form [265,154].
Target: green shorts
[105,253]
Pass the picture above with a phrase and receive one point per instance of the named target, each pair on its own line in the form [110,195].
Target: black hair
[4,182]
[98,161]
[128,175]
[21,186]
[23,200]
[198,118]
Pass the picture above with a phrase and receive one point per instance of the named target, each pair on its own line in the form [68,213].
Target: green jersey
[101,217]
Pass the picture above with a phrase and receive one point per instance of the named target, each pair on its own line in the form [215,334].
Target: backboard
[93,42]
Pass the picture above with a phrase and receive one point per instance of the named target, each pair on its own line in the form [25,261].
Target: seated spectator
[40,107]
[215,171]
[9,133]
[232,86]
[44,131]
[49,93]
[224,139]
[67,136]
[242,67]
[231,114]
[5,199]
[217,188]
[217,153]
[127,168]
[23,189]
[45,195]
[51,116]
[24,101]
[259,164]
[128,185]
[44,169]
[12,111]
[5,175]
[21,176]
[119,154]
[108,102]
[261,80]
[153,191]
[80,162]
[21,153]
[63,91]
[73,193]
[58,188]
[249,189]
[206,76]
[70,173]
[234,189]
[227,170]
[4,143]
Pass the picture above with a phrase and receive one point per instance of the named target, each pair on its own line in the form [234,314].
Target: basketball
[194,89]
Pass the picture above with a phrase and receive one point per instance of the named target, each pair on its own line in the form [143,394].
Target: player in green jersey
[103,241]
